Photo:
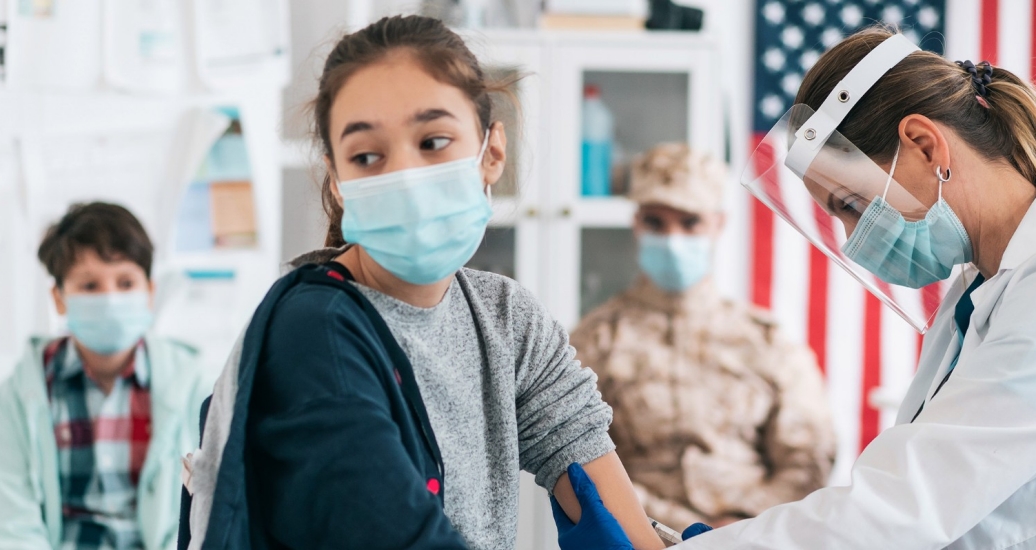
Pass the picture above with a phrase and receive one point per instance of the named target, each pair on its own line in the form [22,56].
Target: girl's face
[392,115]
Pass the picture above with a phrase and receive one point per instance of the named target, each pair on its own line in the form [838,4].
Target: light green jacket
[30,493]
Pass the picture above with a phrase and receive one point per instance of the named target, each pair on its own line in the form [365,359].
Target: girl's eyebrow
[429,115]
[354,127]
[419,117]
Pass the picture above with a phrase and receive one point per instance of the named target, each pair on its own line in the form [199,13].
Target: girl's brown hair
[439,51]
[927,84]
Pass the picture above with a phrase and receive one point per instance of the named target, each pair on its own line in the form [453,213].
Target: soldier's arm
[798,439]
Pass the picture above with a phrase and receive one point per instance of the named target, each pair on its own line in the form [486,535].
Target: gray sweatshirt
[503,392]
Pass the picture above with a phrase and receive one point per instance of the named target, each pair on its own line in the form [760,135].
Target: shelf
[615,212]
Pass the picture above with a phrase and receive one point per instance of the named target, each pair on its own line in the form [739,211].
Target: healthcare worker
[927,164]
[383,396]
[717,415]
[92,425]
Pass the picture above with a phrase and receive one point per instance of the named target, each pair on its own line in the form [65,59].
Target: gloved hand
[597,528]
[695,530]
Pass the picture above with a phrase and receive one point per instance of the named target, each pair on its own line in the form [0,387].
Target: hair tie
[981,76]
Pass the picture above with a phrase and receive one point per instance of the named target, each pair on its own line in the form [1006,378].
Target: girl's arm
[616,492]
[562,419]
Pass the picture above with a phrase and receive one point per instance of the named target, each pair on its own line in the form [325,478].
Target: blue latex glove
[597,528]
[695,530]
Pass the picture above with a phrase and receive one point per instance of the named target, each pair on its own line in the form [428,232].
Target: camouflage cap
[673,175]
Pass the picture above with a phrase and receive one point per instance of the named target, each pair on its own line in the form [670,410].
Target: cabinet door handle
[532,212]
[566,212]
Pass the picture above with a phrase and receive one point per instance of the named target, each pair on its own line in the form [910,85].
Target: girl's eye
[435,143]
[88,287]
[126,284]
[365,159]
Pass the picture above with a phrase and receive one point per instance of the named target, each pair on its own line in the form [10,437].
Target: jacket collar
[318,256]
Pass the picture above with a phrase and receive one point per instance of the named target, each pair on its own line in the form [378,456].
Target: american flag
[860,344]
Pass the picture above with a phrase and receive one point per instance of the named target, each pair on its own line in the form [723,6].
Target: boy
[93,425]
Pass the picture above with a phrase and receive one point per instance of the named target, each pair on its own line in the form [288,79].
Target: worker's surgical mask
[912,254]
[111,322]
[421,224]
[675,262]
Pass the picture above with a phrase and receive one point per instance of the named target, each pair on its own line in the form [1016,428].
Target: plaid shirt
[102,441]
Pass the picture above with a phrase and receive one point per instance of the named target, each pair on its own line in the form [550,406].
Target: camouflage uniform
[715,414]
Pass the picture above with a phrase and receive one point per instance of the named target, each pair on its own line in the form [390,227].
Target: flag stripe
[988,28]
[818,293]
[762,232]
[869,417]
[1032,42]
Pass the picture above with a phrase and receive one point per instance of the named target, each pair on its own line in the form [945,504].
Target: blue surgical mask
[910,254]
[421,224]
[109,323]
[675,262]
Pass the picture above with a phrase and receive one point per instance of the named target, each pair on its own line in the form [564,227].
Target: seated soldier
[93,425]
[717,418]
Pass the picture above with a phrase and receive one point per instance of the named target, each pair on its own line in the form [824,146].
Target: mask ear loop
[485,145]
[478,161]
[942,180]
[888,182]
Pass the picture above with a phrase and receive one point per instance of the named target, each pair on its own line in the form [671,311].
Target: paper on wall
[124,168]
[185,222]
[218,210]
[239,42]
[143,45]
[54,44]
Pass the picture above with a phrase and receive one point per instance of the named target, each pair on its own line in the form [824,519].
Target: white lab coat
[963,475]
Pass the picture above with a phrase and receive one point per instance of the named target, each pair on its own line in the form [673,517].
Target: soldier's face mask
[822,185]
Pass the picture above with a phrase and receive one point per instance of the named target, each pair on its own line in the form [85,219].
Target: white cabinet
[659,87]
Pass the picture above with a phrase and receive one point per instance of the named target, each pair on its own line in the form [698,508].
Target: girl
[386,397]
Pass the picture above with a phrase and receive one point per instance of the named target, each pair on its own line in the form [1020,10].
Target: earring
[938,174]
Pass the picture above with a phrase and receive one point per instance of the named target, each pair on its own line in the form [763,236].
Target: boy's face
[92,275]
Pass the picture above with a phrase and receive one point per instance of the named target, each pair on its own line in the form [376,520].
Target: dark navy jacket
[330,444]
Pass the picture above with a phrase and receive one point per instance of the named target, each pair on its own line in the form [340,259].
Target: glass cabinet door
[655,88]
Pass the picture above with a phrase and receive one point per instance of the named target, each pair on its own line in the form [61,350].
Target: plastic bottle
[598,136]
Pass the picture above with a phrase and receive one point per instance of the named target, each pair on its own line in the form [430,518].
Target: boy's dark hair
[108,229]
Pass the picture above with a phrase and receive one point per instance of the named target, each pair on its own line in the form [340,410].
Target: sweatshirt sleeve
[561,416]
[23,525]
[332,467]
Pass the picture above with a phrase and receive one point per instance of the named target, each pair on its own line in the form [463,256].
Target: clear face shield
[821,184]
